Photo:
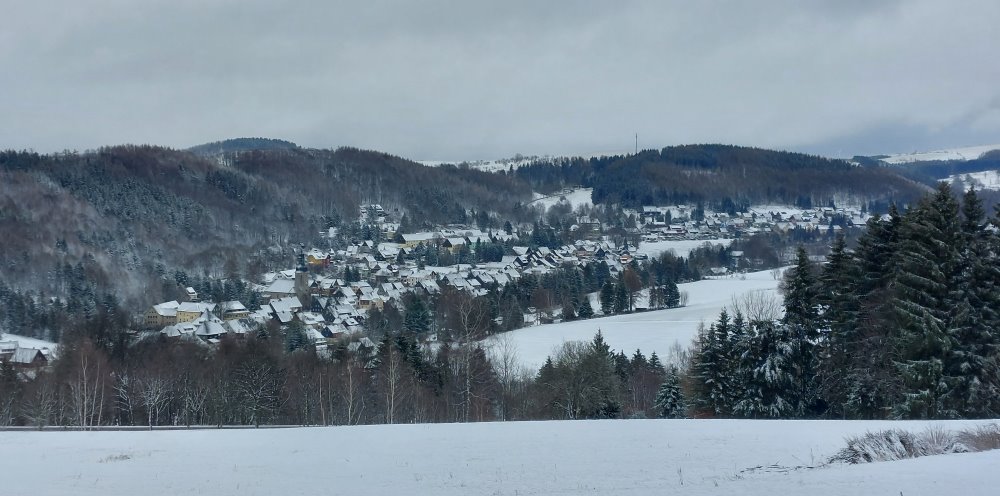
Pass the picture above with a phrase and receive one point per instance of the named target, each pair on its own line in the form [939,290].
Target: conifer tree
[670,399]
[929,263]
[607,298]
[768,364]
[839,341]
[973,390]
[586,310]
[801,327]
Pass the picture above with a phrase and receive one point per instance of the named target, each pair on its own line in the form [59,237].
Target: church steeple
[302,277]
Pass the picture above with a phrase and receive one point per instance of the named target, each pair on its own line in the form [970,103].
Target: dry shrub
[897,444]
[981,438]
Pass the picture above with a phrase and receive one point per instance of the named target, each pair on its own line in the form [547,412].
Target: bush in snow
[981,438]
[897,444]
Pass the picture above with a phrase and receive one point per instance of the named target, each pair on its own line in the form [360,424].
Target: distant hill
[962,154]
[723,176]
[127,218]
[236,145]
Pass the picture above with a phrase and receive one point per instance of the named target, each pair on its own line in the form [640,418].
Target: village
[329,293]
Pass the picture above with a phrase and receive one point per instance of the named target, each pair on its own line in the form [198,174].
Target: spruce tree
[973,390]
[670,399]
[607,298]
[768,362]
[586,310]
[872,383]
[929,263]
[839,342]
[801,322]
[712,369]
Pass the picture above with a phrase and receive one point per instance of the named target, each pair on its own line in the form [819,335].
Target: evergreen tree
[669,399]
[586,310]
[417,318]
[621,301]
[839,342]
[607,298]
[672,295]
[801,326]
[712,368]
[873,383]
[768,362]
[929,261]
[973,389]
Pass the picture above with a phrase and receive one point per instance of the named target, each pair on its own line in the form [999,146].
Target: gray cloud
[457,80]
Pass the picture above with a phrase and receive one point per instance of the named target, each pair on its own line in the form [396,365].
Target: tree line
[905,326]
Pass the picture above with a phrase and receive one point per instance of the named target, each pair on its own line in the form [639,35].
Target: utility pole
[636,143]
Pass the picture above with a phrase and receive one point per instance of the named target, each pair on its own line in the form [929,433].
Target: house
[22,358]
[233,310]
[162,314]
[190,311]
[317,258]
[280,288]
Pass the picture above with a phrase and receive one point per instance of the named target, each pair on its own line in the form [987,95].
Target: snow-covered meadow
[965,153]
[981,180]
[576,197]
[657,330]
[680,247]
[612,457]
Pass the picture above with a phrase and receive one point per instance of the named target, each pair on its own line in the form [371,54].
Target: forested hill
[122,218]
[722,176]
[237,145]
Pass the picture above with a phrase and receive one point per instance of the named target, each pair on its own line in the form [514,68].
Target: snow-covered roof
[282,286]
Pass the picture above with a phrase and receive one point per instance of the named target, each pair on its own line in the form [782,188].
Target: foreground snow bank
[688,457]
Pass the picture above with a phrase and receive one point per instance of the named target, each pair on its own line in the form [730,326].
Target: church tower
[302,279]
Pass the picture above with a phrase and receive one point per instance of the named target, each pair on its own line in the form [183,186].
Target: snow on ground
[609,457]
[648,331]
[575,197]
[981,180]
[681,247]
[26,342]
[966,153]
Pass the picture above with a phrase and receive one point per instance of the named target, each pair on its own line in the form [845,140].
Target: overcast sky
[458,80]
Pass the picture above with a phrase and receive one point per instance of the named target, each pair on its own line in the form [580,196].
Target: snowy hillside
[680,247]
[981,180]
[575,198]
[967,153]
[611,457]
[649,331]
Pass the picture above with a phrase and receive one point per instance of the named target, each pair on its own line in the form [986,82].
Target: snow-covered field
[611,457]
[680,247]
[575,198]
[649,331]
[966,153]
[981,180]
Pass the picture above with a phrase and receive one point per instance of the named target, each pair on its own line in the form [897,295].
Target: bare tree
[351,391]
[391,381]
[88,383]
[41,401]
[155,391]
[259,385]
[757,306]
[508,370]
